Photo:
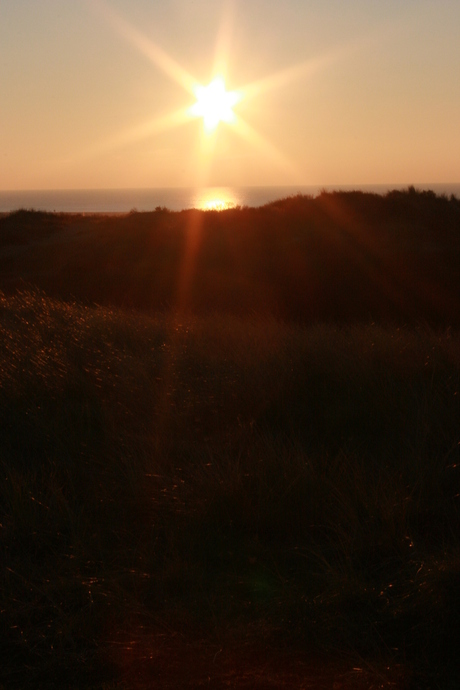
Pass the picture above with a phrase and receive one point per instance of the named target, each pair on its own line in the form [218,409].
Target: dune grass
[225,476]
[342,257]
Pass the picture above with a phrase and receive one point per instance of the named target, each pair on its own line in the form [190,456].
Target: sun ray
[202,158]
[283,77]
[223,40]
[253,137]
[306,68]
[146,46]
[131,135]
[147,129]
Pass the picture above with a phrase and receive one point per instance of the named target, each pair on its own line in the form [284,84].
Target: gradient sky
[93,92]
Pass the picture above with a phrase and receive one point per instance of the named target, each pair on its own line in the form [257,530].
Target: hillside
[274,505]
[230,446]
[339,257]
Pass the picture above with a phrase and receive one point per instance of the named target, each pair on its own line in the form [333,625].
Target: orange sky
[96,93]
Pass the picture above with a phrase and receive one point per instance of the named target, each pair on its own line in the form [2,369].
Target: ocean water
[175,199]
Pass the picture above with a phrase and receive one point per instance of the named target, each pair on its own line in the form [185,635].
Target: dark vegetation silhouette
[343,256]
[236,470]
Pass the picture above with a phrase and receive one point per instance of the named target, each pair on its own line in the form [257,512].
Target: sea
[178,198]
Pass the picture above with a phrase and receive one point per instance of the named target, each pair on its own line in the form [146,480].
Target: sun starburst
[214,104]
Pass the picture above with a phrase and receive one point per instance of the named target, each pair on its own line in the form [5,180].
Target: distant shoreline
[116,201]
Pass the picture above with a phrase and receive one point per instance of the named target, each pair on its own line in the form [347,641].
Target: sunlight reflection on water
[174,198]
[216,198]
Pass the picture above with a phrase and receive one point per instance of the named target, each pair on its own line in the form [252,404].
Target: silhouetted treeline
[342,256]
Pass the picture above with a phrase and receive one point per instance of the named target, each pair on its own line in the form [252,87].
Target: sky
[100,93]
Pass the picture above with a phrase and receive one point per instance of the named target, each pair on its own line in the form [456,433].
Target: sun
[214,104]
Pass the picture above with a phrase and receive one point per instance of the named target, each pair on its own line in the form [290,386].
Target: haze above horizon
[109,93]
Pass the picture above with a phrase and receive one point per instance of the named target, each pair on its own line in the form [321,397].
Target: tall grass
[221,474]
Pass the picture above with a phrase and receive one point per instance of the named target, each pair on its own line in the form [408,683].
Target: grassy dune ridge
[342,257]
[246,477]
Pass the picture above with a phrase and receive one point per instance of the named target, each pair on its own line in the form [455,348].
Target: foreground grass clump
[229,476]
